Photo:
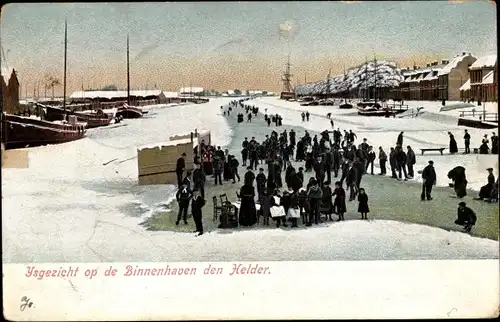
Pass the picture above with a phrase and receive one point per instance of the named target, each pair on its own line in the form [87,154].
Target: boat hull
[22,132]
[129,112]
[93,120]
[345,106]
[476,124]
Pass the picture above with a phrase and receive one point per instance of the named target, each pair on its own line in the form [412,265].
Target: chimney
[428,65]
[443,62]
[464,53]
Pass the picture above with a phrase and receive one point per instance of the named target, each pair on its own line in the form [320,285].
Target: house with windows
[483,80]
[453,75]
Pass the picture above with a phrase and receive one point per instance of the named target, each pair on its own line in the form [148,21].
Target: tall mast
[366,79]
[287,81]
[375,84]
[128,73]
[328,85]
[65,56]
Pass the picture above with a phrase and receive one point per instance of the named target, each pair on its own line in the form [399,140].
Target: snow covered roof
[170,94]
[488,78]
[386,75]
[165,144]
[485,61]
[6,74]
[114,94]
[191,90]
[430,76]
[452,64]
[466,86]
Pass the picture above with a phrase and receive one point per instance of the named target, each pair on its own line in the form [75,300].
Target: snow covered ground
[425,131]
[68,206]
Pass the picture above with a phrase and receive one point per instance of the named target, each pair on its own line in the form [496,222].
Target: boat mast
[65,56]
[375,84]
[328,85]
[287,78]
[366,79]
[128,73]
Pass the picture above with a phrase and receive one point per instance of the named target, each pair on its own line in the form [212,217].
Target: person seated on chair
[466,217]
[485,191]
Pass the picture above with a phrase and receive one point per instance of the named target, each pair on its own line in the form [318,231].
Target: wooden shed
[157,162]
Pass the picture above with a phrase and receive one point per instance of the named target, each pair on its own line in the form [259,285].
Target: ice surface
[80,201]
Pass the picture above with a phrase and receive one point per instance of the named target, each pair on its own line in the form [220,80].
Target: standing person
[199,179]
[428,180]
[401,163]
[265,206]
[393,163]
[494,143]
[345,171]
[183,196]
[465,217]
[371,159]
[411,159]
[218,167]
[467,142]
[254,156]
[248,212]
[399,141]
[351,182]
[303,116]
[179,169]
[244,156]
[337,157]
[233,163]
[187,180]
[363,208]
[314,195]
[319,170]
[196,209]
[453,144]
[261,181]
[307,116]
[249,177]
[339,206]
[382,156]
[294,210]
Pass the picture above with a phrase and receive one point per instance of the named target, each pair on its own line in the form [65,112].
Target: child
[294,211]
[278,212]
[339,203]
[265,206]
[363,203]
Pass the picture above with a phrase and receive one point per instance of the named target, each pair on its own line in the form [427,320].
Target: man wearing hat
[466,217]
[197,204]
[428,180]
[179,169]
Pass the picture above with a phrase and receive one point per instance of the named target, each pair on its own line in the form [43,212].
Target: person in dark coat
[494,143]
[199,179]
[428,180]
[453,144]
[289,175]
[179,169]
[401,163]
[294,209]
[285,203]
[228,174]
[249,177]
[277,174]
[467,142]
[326,203]
[197,204]
[399,141]
[485,191]
[345,170]
[363,208]
[217,167]
[248,212]
[261,181]
[465,217]
[337,157]
[233,163]
[457,174]
[351,178]
[382,156]
[187,180]
[360,170]
[265,206]
[339,206]
[371,159]
[484,148]
[393,163]
[319,171]
[314,196]
[183,196]
[411,159]
[304,206]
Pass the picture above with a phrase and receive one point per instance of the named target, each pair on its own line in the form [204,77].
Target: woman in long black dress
[453,143]
[339,205]
[363,208]
[248,212]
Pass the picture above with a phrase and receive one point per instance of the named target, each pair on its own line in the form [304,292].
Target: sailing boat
[346,105]
[22,132]
[370,107]
[127,111]
[53,113]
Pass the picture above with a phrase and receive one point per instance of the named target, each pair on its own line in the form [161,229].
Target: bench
[433,149]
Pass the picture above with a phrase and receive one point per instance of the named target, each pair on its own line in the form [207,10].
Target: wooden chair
[223,199]
[217,208]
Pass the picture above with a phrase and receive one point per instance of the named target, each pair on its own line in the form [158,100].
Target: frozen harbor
[71,205]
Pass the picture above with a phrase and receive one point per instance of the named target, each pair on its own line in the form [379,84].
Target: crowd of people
[332,153]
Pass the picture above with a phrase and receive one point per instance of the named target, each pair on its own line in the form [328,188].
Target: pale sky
[229,45]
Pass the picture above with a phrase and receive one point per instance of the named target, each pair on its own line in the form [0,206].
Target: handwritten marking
[453,309]
[25,302]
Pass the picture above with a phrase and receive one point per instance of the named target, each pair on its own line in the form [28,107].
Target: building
[483,81]
[136,97]
[191,91]
[10,91]
[452,76]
